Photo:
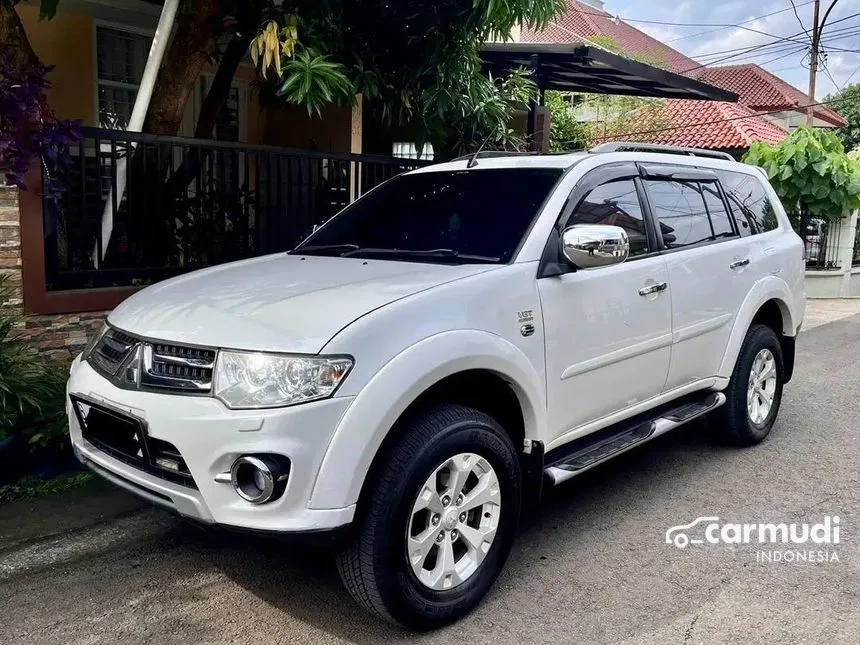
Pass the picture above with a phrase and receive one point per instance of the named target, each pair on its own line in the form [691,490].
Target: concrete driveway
[590,566]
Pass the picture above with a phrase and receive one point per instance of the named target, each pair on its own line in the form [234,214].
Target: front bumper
[210,437]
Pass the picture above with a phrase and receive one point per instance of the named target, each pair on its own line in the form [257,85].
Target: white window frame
[98,82]
[408,150]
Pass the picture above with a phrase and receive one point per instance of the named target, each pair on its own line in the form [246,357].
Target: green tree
[847,103]
[609,116]
[811,173]
[417,62]
[566,132]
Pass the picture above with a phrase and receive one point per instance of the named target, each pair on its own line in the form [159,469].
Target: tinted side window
[680,211]
[749,202]
[717,210]
[615,203]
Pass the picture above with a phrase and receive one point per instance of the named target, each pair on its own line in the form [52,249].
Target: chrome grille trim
[166,367]
[137,363]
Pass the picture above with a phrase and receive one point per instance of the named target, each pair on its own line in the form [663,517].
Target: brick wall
[10,243]
[55,337]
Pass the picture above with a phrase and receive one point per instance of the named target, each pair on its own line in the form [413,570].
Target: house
[99,49]
[587,22]
[764,92]
[139,207]
[715,125]
[768,108]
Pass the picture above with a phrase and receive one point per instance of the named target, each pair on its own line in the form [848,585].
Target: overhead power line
[800,22]
[838,34]
[722,25]
[745,22]
[758,47]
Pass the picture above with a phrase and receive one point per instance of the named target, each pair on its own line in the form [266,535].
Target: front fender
[768,288]
[394,387]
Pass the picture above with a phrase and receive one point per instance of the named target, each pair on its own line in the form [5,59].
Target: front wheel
[754,393]
[440,521]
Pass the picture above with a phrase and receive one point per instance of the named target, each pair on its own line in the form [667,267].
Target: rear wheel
[754,393]
[440,521]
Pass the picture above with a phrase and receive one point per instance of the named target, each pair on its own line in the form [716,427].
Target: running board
[594,449]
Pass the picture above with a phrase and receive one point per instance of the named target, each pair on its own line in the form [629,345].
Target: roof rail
[624,146]
[485,154]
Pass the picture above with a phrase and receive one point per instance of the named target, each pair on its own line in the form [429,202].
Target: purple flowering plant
[29,130]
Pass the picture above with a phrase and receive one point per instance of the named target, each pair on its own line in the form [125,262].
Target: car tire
[395,565]
[750,411]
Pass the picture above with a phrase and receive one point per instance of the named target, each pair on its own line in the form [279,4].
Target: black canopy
[572,67]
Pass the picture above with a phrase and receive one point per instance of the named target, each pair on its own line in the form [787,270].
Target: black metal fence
[821,241]
[137,208]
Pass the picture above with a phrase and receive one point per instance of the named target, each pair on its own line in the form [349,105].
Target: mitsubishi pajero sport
[422,364]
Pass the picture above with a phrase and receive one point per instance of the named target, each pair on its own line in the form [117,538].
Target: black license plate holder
[116,433]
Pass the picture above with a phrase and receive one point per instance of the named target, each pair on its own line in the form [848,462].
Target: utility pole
[814,52]
[813,63]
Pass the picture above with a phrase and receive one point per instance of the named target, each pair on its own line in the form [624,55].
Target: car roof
[567,160]
[562,161]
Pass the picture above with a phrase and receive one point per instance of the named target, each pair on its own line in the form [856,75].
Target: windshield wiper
[422,253]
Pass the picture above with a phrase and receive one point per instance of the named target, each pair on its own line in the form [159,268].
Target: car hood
[285,303]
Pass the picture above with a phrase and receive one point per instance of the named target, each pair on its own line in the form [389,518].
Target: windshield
[451,217]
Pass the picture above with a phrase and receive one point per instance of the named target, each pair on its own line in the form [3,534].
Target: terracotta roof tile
[757,88]
[762,91]
[581,22]
[710,124]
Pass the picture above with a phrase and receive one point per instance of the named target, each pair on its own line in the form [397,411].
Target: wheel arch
[494,376]
[770,303]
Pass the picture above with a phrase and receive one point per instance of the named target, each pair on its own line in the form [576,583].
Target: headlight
[254,380]
[93,342]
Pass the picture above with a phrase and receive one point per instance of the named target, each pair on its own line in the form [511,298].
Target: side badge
[527,330]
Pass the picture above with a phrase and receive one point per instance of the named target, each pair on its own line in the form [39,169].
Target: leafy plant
[29,128]
[32,393]
[566,132]
[416,62]
[612,45]
[314,81]
[810,172]
[847,103]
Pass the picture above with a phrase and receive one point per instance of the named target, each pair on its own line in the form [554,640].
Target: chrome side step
[596,452]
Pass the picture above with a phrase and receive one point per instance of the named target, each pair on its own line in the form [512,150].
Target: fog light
[258,478]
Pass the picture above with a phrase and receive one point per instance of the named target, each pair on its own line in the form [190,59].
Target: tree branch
[14,37]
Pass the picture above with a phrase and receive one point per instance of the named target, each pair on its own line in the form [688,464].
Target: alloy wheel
[762,386]
[453,522]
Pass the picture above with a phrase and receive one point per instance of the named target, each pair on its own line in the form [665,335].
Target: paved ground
[590,566]
[826,310]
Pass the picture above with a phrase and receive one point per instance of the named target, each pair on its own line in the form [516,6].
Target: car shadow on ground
[300,578]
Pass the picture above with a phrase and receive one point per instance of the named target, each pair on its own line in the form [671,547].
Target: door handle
[653,288]
[737,264]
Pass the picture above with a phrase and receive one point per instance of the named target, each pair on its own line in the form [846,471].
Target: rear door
[711,266]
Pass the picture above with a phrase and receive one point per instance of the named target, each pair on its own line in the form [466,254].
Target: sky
[792,58]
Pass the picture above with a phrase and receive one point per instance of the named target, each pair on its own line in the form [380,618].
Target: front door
[607,345]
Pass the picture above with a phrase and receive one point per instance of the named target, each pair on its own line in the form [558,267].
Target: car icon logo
[678,535]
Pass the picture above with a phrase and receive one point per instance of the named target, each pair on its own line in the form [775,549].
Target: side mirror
[588,246]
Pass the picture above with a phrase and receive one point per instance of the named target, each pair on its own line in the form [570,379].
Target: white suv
[423,363]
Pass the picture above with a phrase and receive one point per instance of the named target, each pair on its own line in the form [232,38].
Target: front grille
[125,439]
[176,367]
[136,363]
[112,350]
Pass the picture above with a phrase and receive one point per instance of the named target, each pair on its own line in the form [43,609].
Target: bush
[32,393]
